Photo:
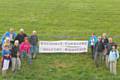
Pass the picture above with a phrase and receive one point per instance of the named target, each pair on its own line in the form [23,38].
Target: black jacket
[34,40]
[14,51]
[105,41]
[99,47]
[20,37]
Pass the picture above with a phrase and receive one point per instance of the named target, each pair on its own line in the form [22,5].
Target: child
[16,63]
[7,41]
[34,43]
[113,56]
[25,50]
[6,57]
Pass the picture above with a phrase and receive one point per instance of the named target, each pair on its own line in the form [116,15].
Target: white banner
[63,46]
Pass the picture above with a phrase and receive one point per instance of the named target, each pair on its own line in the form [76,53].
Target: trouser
[34,51]
[29,58]
[113,67]
[98,58]
[106,61]
[105,53]
[16,63]
[5,66]
[93,52]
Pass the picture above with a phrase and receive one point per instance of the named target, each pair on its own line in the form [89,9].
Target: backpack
[100,46]
[115,54]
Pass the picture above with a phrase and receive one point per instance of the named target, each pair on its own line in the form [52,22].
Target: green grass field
[62,18]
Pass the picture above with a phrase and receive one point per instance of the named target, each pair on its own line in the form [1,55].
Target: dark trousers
[93,51]
[98,58]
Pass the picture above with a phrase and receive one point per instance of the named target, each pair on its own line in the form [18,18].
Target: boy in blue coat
[6,57]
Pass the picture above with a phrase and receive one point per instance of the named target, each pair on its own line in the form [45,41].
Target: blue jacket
[5,52]
[114,55]
[34,40]
[92,41]
[7,34]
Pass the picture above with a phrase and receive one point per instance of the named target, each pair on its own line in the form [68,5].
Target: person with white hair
[105,41]
[20,37]
[34,44]
[10,34]
[16,62]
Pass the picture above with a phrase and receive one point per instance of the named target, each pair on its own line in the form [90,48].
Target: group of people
[104,50]
[17,47]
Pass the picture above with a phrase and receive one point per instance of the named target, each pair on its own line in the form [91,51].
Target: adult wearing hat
[20,37]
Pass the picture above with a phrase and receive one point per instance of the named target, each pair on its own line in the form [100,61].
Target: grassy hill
[55,19]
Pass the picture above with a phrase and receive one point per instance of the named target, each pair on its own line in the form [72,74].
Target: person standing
[6,57]
[92,42]
[25,50]
[16,62]
[105,41]
[109,48]
[34,44]
[9,45]
[113,57]
[99,48]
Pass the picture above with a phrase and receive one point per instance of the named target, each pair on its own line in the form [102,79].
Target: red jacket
[25,46]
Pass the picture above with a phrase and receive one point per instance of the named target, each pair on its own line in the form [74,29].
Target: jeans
[34,50]
[93,51]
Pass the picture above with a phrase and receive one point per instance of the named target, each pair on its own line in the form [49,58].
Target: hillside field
[62,20]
